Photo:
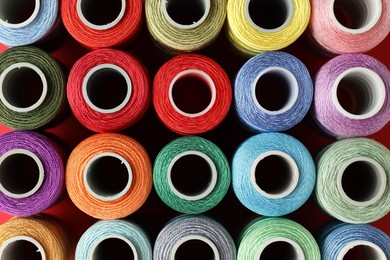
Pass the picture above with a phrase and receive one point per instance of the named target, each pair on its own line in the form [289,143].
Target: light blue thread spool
[28,21]
[273,174]
[281,69]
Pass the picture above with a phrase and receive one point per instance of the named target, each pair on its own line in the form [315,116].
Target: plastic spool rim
[211,185]
[90,188]
[25,238]
[41,175]
[194,237]
[298,250]
[378,253]
[95,245]
[28,21]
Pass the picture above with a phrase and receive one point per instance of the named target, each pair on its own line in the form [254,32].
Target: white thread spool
[195,74]
[172,9]
[23,247]
[280,245]
[97,185]
[92,84]
[10,184]
[13,85]
[12,11]
[102,248]
[285,184]
[370,250]
[190,238]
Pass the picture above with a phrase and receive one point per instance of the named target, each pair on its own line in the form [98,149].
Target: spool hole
[107,177]
[17,12]
[22,87]
[184,12]
[191,94]
[19,174]
[361,181]
[194,249]
[113,248]
[357,14]
[280,250]
[107,89]
[191,175]
[274,175]
[101,12]
[270,14]
[361,252]
[21,250]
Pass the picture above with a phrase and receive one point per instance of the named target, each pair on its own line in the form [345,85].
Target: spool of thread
[31,173]
[36,237]
[101,24]
[115,239]
[273,92]
[346,26]
[273,174]
[191,94]
[339,241]
[351,96]
[352,180]
[179,26]
[254,26]
[32,88]
[108,90]
[191,175]
[108,176]
[194,237]
[27,22]
[277,238]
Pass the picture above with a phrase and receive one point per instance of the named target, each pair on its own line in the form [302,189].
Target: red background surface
[153,135]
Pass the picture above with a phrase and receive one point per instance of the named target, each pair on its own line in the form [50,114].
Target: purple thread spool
[351,96]
[31,173]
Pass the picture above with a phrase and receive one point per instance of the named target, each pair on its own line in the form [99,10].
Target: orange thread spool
[109,176]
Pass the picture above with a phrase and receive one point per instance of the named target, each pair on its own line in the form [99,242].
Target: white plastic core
[286,9]
[198,74]
[94,187]
[210,186]
[375,181]
[204,5]
[182,240]
[366,13]
[371,251]
[368,90]
[292,85]
[12,248]
[8,90]
[94,253]
[88,5]
[7,184]
[92,79]
[12,10]
[296,252]
[287,185]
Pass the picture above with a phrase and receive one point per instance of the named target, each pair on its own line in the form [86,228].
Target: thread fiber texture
[242,167]
[245,100]
[127,148]
[328,193]
[178,37]
[46,230]
[335,38]
[324,110]
[123,117]
[120,229]
[192,123]
[161,170]
[192,227]
[336,236]
[251,39]
[54,103]
[45,22]
[119,34]
[261,231]
[52,159]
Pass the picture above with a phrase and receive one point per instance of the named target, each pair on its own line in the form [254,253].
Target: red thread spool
[108,90]
[191,94]
[102,24]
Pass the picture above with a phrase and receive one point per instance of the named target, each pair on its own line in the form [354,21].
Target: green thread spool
[32,88]
[277,238]
[353,180]
[191,175]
